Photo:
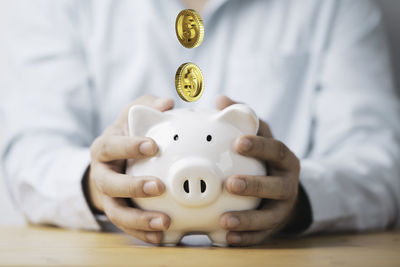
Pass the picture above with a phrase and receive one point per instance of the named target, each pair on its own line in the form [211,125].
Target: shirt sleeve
[48,111]
[352,175]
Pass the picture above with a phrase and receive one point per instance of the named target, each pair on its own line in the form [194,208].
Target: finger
[246,238]
[267,149]
[162,104]
[123,216]
[271,187]
[153,237]
[223,101]
[255,220]
[109,148]
[114,184]
[264,130]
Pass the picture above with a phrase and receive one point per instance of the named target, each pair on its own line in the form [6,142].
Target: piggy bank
[195,156]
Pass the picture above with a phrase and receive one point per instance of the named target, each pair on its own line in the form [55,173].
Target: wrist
[301,216]
[91,193]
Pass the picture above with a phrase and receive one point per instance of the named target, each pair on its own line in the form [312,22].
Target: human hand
[278,190]
[109,186]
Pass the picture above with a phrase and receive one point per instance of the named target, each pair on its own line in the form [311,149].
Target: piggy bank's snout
[194,182]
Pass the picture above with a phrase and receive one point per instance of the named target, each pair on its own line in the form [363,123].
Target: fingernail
[146,148]
[157,223]
[235,239]
[245,144]
[232,222]
[151,188]
[238,185]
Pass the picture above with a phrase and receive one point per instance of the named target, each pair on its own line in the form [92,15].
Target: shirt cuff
[325,204]
[86,219]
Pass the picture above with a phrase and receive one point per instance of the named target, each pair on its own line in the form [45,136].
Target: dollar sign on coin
[189,82]
[189,28]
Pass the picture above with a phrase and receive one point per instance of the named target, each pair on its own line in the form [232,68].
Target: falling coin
[189,82]
[189,28]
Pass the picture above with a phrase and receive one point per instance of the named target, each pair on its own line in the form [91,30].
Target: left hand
[278,190]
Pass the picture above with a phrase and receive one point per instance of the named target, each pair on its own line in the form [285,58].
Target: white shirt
[317,71]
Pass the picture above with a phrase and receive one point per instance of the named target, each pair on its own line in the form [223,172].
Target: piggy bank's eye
[176,137]
[209,138]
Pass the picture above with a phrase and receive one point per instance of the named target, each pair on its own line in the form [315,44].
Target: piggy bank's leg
[218,238]
[172,238]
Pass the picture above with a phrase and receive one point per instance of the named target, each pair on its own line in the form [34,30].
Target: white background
[391,9]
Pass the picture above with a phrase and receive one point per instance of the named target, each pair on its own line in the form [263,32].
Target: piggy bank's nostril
[202,186]
[186,186]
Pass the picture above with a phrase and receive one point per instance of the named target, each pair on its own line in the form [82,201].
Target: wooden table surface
[40,246]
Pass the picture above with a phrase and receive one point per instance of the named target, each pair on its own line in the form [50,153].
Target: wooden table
[35,246]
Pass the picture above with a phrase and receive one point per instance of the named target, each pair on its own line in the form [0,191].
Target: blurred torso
[256,52]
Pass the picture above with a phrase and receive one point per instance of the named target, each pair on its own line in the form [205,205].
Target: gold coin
[189,28]
[189,82]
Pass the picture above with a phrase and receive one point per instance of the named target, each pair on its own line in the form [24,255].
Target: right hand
[109,186]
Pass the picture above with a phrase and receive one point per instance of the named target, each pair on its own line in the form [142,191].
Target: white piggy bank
[195,156]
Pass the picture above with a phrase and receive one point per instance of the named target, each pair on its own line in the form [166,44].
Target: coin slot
[176,137]
[209,138]
[202,186]
[186,186]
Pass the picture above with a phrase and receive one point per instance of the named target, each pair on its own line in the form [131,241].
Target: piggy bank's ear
[240,116]
[142,118]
